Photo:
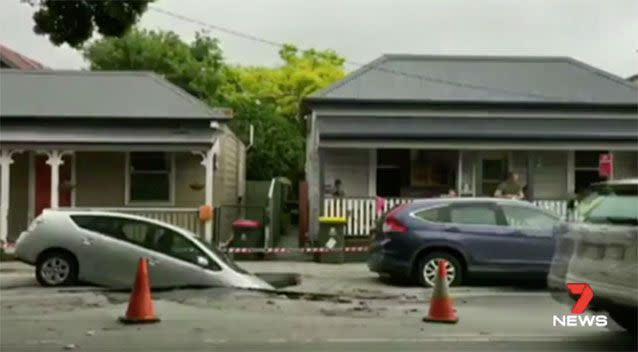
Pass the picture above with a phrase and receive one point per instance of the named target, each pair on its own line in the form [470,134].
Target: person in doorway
[510,188]
[338,192]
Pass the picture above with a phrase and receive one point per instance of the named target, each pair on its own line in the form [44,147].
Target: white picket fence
[361,212]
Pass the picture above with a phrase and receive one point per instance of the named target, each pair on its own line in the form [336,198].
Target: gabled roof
[485,79]
[95,94]
[18,61]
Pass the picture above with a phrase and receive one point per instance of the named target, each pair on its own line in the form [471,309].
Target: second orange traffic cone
[441,305]
[140,306]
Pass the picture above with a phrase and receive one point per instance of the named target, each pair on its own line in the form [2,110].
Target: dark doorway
[390,182]
[586,169]
[493,172]
[393,171]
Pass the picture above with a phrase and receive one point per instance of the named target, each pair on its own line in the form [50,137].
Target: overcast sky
[603,33]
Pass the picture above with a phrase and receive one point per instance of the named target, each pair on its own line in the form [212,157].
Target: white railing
[187,218]
[558,207]
[361,212]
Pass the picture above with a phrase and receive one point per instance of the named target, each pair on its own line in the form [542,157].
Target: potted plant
[66,185]
[196,186]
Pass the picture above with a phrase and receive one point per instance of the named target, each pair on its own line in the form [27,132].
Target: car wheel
[626,318]
[428,269]
[56,269]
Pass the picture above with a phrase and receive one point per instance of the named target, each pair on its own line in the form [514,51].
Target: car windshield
[613,204]
[221,255]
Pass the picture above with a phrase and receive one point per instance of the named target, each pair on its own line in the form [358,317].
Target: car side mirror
[203,262]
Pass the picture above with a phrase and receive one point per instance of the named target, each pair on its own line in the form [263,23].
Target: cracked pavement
[336,307]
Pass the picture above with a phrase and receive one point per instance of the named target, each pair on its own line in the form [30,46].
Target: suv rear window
[435,214]
[611,204]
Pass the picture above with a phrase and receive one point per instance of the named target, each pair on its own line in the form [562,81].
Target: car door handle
[87,242]
[153,261]
[452,229]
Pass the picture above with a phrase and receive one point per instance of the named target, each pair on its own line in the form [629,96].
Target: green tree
[277,143]
[301,74]
[266,97]
[73,22]
[196,67]
[269,98]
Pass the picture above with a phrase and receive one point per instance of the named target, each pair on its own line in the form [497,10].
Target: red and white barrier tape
[8,248]
[8,245]
[297,250]
[359,249]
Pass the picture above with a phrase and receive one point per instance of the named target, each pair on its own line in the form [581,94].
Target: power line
[349,62]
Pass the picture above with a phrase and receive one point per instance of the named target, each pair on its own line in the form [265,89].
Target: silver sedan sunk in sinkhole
[102,248]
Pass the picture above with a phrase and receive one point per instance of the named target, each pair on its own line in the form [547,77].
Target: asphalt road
[435,343]
[333,310]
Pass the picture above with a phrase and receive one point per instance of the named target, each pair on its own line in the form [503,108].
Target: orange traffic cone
[140,306]
[441,305]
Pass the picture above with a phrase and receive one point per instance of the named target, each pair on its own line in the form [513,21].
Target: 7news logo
[577,318]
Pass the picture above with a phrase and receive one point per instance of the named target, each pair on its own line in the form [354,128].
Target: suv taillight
[391,224]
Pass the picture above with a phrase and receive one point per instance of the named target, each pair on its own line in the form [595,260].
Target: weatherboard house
[413,126]
[120,141]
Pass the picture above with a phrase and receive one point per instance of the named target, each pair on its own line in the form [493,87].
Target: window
[433,168]
[132,231]
[521,217]
[100,224]
[220,255]
[150,177]
[611,204]
[437,214]
[473,215]
[177,246]
[145,234]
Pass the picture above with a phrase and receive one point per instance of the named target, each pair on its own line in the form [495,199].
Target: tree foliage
[73,22]
[301,74]
[266,97]
[196,67]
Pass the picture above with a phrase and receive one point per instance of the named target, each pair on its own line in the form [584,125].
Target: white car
[602,251]
[103,248]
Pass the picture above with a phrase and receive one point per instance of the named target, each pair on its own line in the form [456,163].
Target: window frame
[213,264]
[115,219]
[171,182]
[531,209]
[500,217]
[413,214]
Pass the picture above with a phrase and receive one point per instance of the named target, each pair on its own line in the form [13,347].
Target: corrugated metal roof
[481,79]
[95,94]
[106,135]
[610,129]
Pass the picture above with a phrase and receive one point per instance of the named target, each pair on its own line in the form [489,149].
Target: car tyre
[427,263]
[56,268]
[626,318]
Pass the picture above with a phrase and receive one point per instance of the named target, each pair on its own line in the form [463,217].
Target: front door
[43,183]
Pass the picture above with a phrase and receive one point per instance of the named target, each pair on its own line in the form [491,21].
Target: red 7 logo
[586,295]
